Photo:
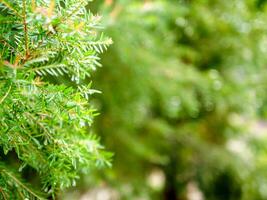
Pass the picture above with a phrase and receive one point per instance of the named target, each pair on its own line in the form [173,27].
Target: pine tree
[45,126]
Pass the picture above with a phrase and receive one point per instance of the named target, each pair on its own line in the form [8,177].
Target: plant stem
[1,100]
[27,54]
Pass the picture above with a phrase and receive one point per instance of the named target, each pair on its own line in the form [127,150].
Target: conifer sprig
[44,124]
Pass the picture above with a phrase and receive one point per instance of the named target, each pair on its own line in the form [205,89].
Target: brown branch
[3,194]
[27,53]
[5,43]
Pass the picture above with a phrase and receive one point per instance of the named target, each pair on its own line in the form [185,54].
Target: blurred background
[183,103]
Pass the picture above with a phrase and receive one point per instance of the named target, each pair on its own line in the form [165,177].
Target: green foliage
[183,84]
[44,127]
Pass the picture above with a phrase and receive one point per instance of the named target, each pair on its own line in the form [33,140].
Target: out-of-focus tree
[184,95]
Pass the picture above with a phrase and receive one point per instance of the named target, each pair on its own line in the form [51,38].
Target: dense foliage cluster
[44,126]
[184,94]
[183,102]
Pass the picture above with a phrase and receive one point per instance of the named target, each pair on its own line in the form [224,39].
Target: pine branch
[17,181]
[73,12]
[4,2]
[3,194]
[27,54]
[53,69]
[6,94]
[43,123]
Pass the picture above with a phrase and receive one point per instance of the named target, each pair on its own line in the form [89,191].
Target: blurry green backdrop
[183,101]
